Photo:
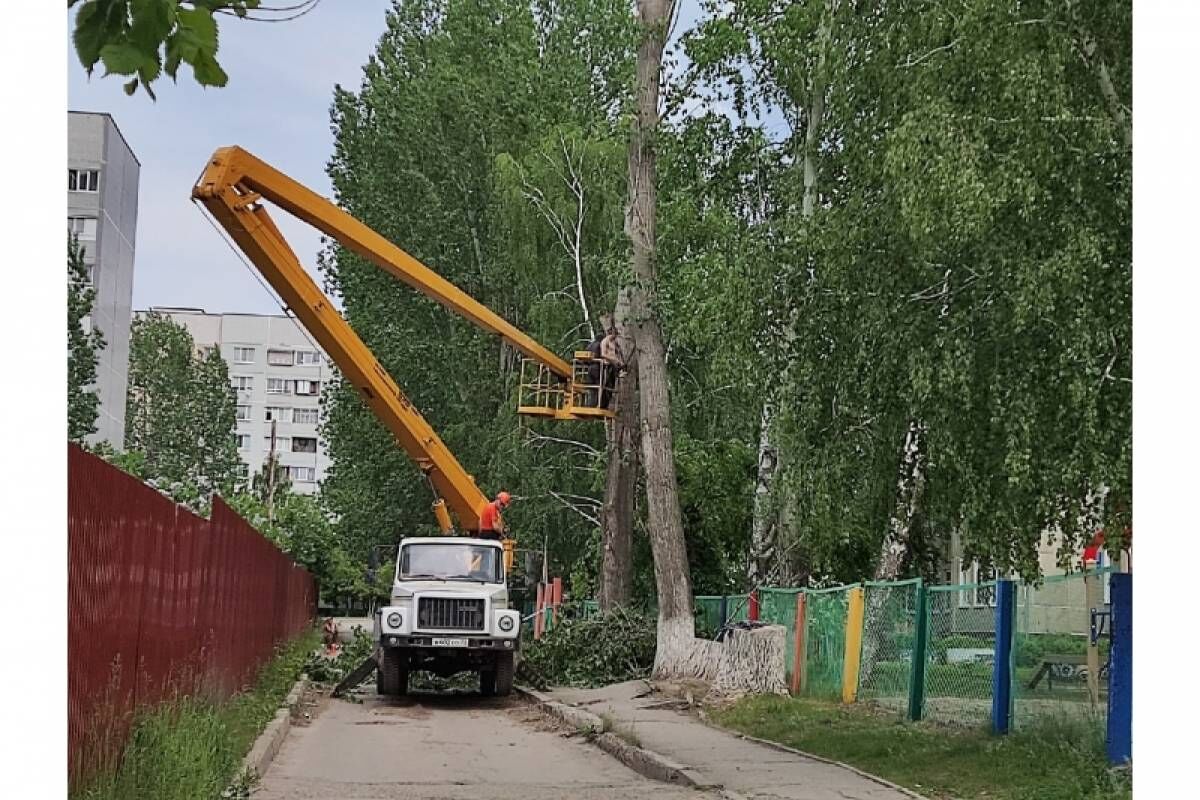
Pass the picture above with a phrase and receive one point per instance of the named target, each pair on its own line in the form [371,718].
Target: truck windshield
[450,562]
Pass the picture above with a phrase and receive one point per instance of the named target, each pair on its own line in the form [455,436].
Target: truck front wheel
[393,674]
[499,679]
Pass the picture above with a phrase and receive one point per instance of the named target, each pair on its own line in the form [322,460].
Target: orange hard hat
[504,498]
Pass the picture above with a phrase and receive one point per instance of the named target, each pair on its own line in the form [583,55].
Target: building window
[280,358]
[243,355]
[243,413]
[303,474]
[304,416]
[275,386]
[307,358]
[243,383]
[243,470]
[83,227]
[308,387]
[977,595]
[281,444]
[277,414]
[243,441]
[304,444]
[83,180]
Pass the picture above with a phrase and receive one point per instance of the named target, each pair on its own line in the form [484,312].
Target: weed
[192,747]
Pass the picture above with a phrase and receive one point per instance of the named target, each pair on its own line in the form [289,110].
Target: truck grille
[450,613]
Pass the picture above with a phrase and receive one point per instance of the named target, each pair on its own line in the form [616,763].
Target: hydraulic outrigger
[232,188]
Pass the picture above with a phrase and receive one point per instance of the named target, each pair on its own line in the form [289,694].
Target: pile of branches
[322,669]
[608,648]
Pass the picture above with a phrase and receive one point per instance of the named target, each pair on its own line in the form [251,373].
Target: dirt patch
[406,711]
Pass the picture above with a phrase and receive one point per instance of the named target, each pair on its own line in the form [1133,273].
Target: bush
[1032,648]
[608,648]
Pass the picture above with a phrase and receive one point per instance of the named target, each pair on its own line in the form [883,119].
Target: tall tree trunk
[910,490]
[764,526]
[910,487]
[676,625]
[620,480]
[768,530]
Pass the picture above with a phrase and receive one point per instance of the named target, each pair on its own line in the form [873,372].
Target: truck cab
[449,613]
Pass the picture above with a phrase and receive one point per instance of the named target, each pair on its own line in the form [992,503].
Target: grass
[190,748]
[1059,759]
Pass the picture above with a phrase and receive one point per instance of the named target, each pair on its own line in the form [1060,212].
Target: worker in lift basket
[491,526]
[614,361]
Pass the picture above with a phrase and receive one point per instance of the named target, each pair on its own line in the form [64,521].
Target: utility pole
[271,468]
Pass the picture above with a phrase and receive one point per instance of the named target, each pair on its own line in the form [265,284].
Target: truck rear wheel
[392,680]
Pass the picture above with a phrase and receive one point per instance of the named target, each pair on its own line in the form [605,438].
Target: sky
[276,105]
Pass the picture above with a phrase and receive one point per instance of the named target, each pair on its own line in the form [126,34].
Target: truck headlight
[394,619]
[506,623]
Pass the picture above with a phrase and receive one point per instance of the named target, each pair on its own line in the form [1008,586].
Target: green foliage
[190,747]
[1057,759]
[491,114]
[1032,648]
[302,528]
[83,348]
[606,648]
[967,264]
[180,415]
[144,38]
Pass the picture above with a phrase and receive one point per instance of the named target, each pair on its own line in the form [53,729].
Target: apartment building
[278,373]
[102,206]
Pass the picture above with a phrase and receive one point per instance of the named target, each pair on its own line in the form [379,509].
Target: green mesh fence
[778,607]
[708,615]
[1050,650]
[825,640]
[961,648]
[889,638]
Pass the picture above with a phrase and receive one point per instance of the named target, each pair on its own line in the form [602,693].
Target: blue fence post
[1002,662]
[1120,670]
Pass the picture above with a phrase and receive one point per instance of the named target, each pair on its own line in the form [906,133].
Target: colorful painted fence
[163,603]
[998,653]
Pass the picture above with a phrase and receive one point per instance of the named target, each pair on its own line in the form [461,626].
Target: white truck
[448,614]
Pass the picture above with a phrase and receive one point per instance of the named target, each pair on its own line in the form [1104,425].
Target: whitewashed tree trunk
[752,661]
[676,625]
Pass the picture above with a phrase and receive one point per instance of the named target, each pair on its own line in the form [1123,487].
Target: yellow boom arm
[231,187]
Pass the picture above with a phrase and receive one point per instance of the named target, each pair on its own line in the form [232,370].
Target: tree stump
[752,661]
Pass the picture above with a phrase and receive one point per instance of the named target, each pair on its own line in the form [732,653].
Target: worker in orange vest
[491,525]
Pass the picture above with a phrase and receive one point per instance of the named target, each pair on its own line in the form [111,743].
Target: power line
[304,8]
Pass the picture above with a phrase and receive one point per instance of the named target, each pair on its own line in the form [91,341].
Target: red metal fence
[161,603]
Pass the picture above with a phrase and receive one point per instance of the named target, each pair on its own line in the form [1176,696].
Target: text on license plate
[449,642]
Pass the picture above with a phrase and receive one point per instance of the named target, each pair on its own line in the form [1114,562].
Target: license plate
[449,642]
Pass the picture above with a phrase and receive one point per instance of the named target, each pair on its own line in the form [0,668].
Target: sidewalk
[741,767]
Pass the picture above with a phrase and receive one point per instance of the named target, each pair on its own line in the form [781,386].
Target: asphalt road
[446,746]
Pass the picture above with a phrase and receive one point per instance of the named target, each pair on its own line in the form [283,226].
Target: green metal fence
[929,651]
[961,646]
[1050,650]
[778,607]
[888,643]
[825,640]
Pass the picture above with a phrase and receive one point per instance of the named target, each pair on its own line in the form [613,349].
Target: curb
[793,751]
[646,763]
[267,745]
